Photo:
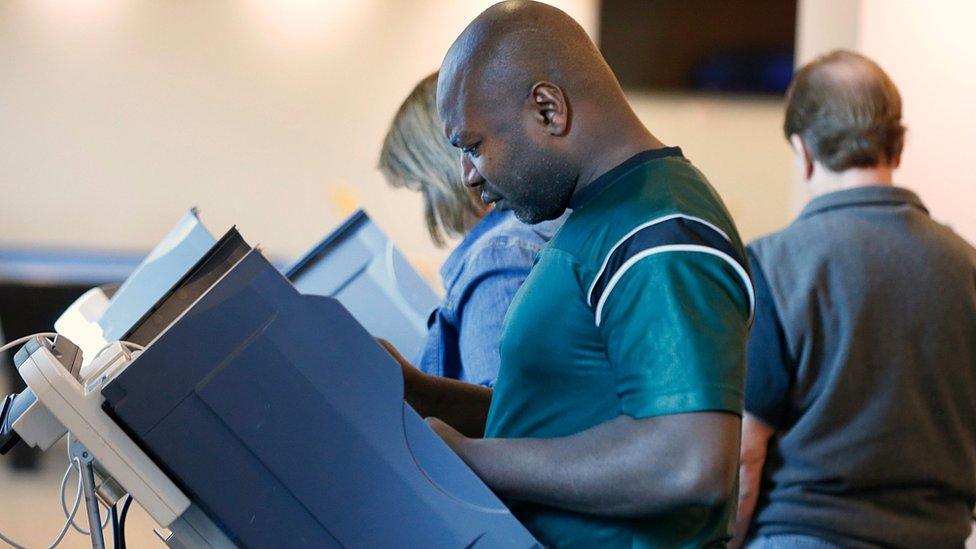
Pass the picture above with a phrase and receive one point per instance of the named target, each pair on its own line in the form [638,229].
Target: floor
[31,516]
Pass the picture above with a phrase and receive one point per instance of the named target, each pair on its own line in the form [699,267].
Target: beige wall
[117,116]
[929,51]
[738,144]
[823,25]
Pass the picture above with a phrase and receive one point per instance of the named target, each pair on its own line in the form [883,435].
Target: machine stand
[91,500]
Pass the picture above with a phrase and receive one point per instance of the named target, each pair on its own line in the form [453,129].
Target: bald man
[615,418]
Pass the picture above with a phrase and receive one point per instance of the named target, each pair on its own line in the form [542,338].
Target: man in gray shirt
[860,425]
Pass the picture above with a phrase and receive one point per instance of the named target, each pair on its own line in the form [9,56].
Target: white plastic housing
[80,412]
[38,427]
[79,323]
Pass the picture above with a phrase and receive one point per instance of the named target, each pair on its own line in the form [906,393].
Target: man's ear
[549,107]
[801,150]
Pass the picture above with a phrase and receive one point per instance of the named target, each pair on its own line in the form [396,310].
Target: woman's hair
[416,155]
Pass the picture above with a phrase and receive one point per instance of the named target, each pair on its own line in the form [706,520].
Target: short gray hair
[847,110]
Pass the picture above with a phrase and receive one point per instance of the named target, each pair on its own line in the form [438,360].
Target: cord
[5,539]
[64,508]
[49,335]
[75,464]
[21,340]
[115,527]
[74,508]
[133,346]
[125,513]
[127,344]
[11,542]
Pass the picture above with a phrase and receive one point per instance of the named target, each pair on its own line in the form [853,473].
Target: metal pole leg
[91,500]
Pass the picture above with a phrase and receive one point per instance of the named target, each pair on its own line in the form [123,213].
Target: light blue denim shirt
[480,279]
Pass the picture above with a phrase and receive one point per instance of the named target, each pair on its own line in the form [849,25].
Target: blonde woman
[496,253]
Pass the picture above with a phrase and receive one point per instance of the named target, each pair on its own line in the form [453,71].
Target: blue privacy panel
[284,421]
[358,265]
[163,267]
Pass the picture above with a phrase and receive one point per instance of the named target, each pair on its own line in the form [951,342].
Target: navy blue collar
[586,193]
[862,196]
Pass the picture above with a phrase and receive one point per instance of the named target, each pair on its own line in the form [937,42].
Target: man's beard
[553,184]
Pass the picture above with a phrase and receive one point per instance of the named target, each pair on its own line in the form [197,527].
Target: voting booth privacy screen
[358,265]
[239,411]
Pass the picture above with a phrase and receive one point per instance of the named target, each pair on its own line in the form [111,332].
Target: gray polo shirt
[863,357]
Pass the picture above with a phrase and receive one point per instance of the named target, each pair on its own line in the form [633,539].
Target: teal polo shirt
[640,305]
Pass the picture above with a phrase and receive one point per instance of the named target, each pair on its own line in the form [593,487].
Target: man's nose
[469,173]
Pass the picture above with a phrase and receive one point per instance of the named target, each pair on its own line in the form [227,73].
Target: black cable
[8,437]
[125,513]
[115,526]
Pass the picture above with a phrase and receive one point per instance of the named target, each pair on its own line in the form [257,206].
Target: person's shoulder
[762,246]
[509,232]
[661,190]
[690,193]
[951,242]
[509,244]
[802,232]
[794,259]
[546,230]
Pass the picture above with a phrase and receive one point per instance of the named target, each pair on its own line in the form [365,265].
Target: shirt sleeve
[769,370]
[675,326]
[491,280]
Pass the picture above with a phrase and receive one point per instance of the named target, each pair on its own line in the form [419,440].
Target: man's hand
[454,439]
[756,436]
[462,405]
[415,384]
[411,375]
